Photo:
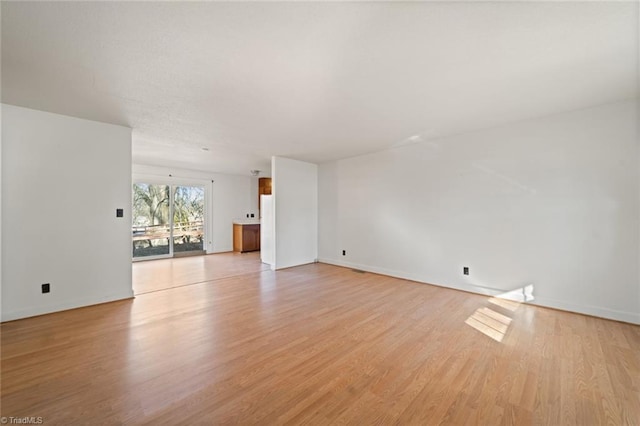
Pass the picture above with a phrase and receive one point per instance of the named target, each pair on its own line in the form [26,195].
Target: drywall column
[62,180]
[295,200]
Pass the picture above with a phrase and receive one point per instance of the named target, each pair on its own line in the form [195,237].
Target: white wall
[267,231]
[552,203]
[62,180]
[295,203]
[253,195]
[229,197]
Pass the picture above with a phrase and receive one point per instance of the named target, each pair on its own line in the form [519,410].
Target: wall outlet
[344,252]
[46,288]
[465,270]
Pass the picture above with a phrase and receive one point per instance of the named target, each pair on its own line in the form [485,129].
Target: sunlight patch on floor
[510,305]
[489,323]
[494,324]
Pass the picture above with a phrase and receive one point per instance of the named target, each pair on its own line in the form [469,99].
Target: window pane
[188,218]
[150,220]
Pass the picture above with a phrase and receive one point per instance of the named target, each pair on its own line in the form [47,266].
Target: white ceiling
[311,81]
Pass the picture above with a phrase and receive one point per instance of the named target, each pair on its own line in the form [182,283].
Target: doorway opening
[168,220]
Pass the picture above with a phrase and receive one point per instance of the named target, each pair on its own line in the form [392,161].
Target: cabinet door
[251,238]
[257,231]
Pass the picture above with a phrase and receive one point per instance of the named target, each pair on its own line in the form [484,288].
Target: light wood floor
[154,275]
[321,345]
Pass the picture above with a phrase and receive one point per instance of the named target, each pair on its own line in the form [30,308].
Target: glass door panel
[151,226]
[188,219]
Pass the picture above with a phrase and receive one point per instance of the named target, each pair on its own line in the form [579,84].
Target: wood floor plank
[229,341]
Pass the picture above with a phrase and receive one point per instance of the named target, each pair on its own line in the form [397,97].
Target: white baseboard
[630,317]
[596,311]
[279,268]
[71,304]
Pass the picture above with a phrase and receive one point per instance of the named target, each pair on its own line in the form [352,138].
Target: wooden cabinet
[246,237]
[264,188]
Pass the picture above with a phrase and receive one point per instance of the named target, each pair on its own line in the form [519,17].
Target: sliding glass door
[167,220]
[188,219]
[151,220]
